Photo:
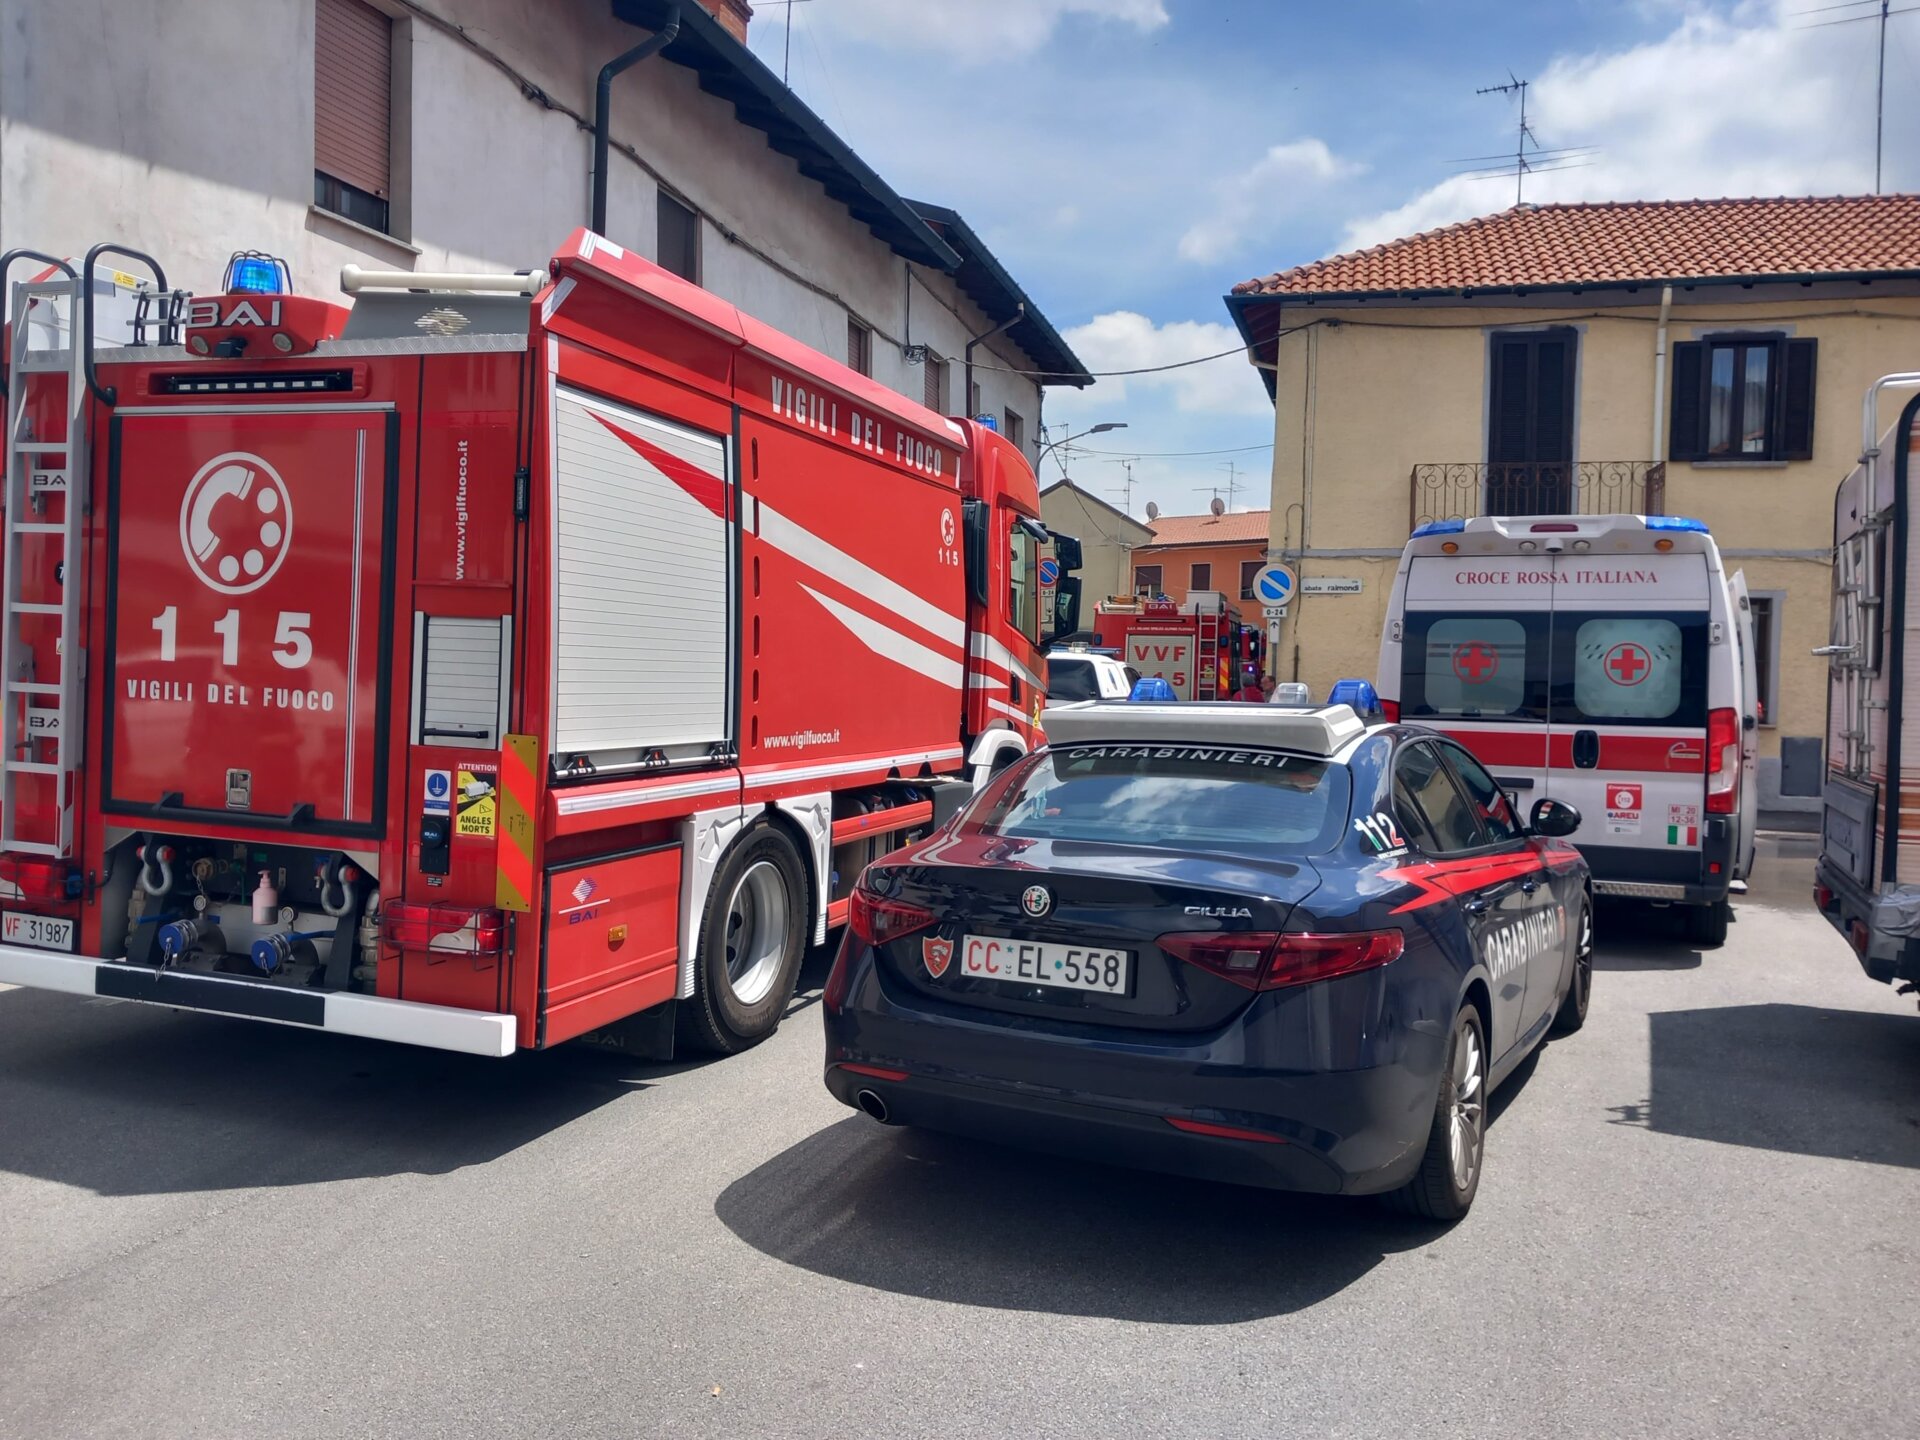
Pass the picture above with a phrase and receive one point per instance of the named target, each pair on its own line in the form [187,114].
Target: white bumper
[438,1027]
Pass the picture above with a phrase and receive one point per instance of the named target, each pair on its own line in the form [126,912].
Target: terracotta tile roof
[1238,527]
[1541,245]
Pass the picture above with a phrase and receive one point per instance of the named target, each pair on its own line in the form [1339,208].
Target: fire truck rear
[495,661]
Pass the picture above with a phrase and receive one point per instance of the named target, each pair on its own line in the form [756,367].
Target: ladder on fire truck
[41,729]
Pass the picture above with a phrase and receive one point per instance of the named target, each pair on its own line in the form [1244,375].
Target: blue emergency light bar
[1440,527]
[1676,522]
[252,272]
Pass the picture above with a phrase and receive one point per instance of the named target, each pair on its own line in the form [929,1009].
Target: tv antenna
[1126,486]
[1529,157]
[786,29]
[1882,10]
[1233,483]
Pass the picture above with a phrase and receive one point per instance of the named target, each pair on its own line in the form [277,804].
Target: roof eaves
[1001,294]
[730,71]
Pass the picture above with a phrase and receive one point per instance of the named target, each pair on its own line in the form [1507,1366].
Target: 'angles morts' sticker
[1380,833]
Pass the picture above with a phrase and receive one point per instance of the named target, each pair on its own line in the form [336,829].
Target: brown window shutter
[1684,438]
[353,94]
[1796,401]
[936,383]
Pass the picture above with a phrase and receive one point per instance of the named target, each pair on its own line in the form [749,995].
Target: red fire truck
[1198,647]
[489,662]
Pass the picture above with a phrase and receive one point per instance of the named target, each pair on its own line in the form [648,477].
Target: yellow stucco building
[1702,358]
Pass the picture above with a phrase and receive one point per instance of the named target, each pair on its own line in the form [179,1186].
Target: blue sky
[1130,160]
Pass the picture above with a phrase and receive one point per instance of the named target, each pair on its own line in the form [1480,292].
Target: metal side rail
[436,1027]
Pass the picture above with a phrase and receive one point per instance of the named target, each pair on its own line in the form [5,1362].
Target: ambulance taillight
[1723,760]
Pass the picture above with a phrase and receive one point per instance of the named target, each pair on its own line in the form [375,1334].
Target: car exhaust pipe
[868,1101]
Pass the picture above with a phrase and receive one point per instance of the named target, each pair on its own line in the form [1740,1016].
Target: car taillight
[40,882]
[877,920]
[1268,960]
[1823,897]
[1391,710]
[443,929]
[1723,761]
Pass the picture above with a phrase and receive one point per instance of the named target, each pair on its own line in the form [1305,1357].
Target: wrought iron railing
[1459,490]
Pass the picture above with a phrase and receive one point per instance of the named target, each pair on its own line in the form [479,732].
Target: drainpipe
[603,103]
[1019,314]
[1660,377]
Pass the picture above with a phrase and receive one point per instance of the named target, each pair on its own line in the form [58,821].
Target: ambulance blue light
[251,273]
[1445,527]
[1676,522]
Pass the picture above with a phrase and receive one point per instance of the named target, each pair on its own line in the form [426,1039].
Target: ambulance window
[1473,665]
[1488,799]
[1631,667]
[1430,806]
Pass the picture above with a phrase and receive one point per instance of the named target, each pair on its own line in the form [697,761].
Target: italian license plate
[41,931]
[1036,962]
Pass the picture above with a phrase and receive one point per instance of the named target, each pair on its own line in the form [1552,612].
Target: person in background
[1250,690]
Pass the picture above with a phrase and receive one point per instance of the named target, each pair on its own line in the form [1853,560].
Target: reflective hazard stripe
[519,764]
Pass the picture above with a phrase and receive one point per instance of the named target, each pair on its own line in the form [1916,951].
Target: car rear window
[1232,802]
[1633,670]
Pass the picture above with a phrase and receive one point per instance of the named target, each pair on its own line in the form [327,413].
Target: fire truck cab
[1198,646]
[483,663]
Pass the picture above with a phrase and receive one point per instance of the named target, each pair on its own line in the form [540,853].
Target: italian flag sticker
[1683,834]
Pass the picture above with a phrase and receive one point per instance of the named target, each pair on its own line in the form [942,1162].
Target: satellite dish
[1153,511]
[1219,506]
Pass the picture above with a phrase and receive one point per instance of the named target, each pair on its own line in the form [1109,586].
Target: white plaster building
[457,135]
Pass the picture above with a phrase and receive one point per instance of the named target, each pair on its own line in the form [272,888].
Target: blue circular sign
[1049,571]
[437,784]
[1274,585]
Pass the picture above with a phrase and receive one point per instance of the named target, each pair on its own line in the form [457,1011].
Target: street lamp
[1100,429]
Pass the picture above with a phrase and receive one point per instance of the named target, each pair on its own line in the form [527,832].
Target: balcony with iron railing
[1460,490]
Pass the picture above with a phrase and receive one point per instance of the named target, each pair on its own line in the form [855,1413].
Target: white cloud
[1124,340]
[1747,103]
[975,31]
[1250,203]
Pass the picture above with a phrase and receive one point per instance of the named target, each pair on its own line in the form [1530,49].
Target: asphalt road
[1698,1218]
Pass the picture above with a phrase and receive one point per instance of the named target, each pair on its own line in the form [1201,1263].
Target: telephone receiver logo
[244,554]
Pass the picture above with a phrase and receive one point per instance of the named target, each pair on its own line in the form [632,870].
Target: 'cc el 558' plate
[1036,962]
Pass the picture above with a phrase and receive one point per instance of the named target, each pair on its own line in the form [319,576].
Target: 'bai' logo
[236,523]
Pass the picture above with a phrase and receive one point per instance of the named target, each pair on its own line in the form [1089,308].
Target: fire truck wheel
[751,939]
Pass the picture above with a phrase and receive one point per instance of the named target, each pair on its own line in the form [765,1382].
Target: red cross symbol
[1474,662]
[1628,664]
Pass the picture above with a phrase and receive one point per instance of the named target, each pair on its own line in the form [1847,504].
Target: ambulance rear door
[1747,817]
[1475,655]
[1632,635]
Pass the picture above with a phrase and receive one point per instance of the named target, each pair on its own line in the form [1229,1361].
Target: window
[1631,669]
[1766,653]
[353,111]
[678,238]
[1430,806]
[1016,429]
[1742,398]
[1226,802]
[1474,666]
[1489,801]
[1071,679]
[1199,577]
[936,380]
[1025,582]
[1249,571]
[859,347]
[1146,580]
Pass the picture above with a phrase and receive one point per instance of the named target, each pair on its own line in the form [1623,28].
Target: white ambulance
[1604,660]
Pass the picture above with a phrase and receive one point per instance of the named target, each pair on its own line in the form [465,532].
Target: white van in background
[1604,660]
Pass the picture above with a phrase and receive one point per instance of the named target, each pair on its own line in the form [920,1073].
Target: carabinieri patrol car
[1277,947]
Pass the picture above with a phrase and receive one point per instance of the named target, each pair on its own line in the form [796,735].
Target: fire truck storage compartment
[643,547]
[611,945]
[249,590]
